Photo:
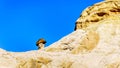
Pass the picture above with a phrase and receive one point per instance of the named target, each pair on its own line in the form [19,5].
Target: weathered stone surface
[112,0]
[98,12]
[95,44]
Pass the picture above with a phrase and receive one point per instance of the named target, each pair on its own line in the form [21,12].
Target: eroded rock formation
[41,43]
[95,43]
[98,12]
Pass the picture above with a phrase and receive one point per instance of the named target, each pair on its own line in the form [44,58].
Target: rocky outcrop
[95,43]
[98,12]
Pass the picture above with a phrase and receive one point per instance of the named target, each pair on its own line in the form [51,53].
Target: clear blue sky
[23,22]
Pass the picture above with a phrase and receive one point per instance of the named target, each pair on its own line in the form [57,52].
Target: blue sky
[23,22]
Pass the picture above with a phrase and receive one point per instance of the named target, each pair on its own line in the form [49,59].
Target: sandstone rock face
[94,44]
[98,12]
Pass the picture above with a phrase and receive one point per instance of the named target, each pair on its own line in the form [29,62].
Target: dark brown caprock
[40,43]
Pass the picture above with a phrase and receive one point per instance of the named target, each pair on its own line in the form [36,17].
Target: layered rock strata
[98,12]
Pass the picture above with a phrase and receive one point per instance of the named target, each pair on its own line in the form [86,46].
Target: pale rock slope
[95,43]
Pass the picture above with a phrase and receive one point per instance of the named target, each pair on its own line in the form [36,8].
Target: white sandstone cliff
[94,45]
